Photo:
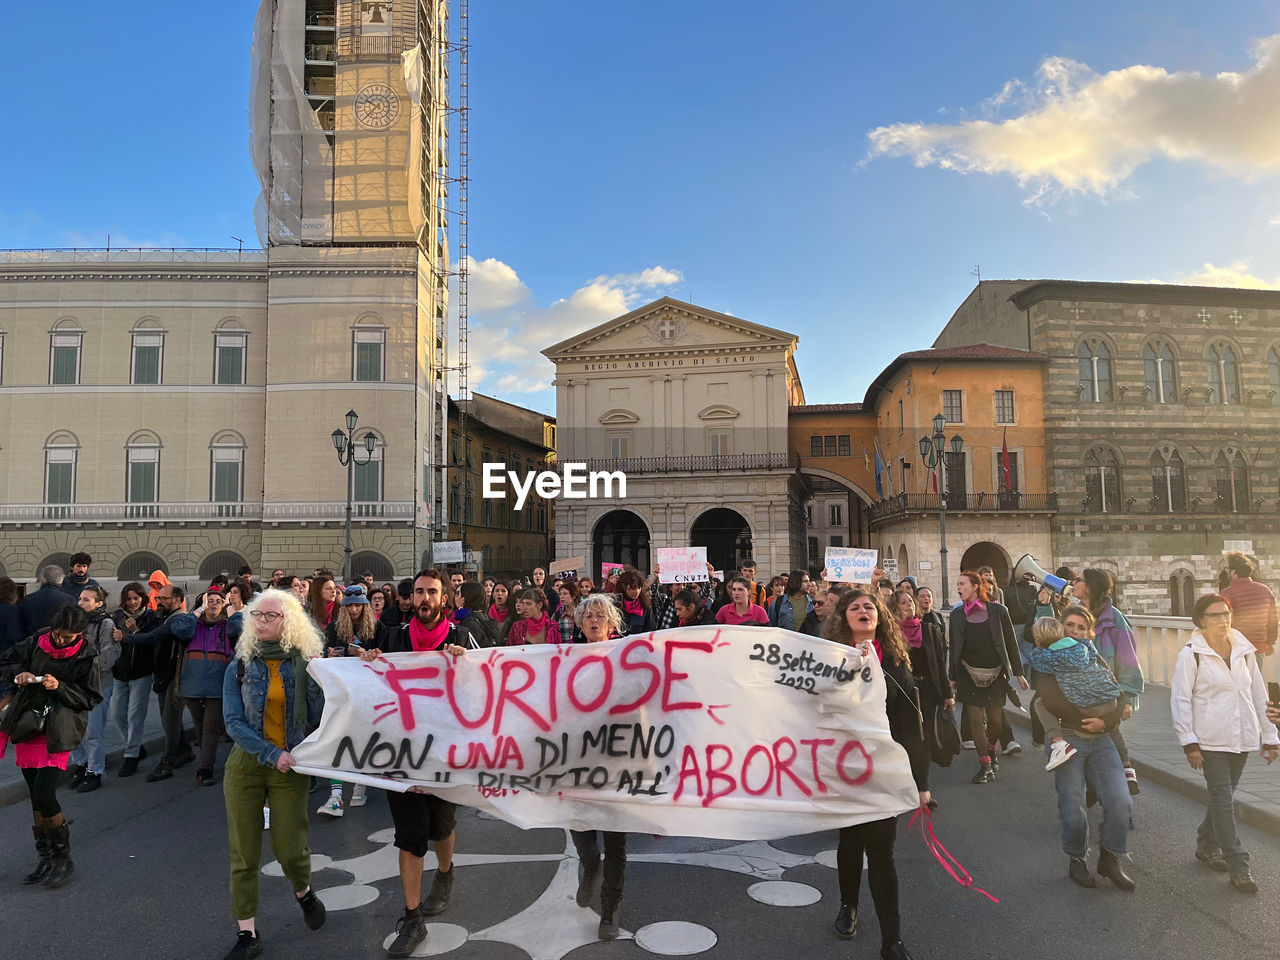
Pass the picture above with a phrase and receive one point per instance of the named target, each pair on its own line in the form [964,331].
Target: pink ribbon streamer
[949,863]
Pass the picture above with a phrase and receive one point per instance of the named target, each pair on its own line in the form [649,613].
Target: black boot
[1079,872]
[312,910]
[438,898]
[410,931]
[847,922]
[608,917]
[60,854]
[894,951]
[588,880]
[44,864]
[1112,867]
[985,774]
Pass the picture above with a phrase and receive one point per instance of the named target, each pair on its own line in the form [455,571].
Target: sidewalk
[13,789]
[1156,755]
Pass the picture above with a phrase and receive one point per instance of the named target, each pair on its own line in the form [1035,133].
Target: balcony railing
[905,503]
[133,255]
[1159,639]
[734,462]
[382,510]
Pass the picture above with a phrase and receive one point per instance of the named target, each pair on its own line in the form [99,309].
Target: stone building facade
[1161,417]
[692,406]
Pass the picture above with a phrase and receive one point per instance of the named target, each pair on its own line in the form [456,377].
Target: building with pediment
[691,405]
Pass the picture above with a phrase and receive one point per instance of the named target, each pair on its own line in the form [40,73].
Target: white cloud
[1075,130]
[1233,275]
[1275,221]
[507,331]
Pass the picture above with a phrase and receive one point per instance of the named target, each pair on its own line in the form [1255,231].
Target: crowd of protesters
[232,659]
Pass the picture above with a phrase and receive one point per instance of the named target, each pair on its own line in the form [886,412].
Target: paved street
[152,883]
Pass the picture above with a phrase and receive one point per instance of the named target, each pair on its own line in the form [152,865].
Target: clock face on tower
[376,106]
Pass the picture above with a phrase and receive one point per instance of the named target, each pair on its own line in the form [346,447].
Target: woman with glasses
[1219,707]
[58,683]
[269,703]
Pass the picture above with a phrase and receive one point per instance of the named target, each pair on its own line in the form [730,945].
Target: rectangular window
[618,446]
[455,503]
[900,425]
[486,512]
[720,443]
[227,480]
[1004,406]
[829,446]
[835,513]
[59,482]
[228,358]
[953,406]
[814,559]
[455,454]
[143,481]
[957,486]
[837,541]
[1013,472]
[815,446]
[845,450]
[367,485]
[64,358]
[808,514]
[148,358]
[367,360]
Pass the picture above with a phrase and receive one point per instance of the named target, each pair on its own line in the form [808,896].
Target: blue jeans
[1218,830]
[1098,761]
[131,699]
[92,750]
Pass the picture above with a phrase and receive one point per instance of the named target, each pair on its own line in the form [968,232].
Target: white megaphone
[1028,565]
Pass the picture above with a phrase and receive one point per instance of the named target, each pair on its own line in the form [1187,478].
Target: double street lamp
[348,456]
[936,445]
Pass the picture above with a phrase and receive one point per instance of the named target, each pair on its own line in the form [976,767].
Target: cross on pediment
[1205,316]
[1235,317]
[667,329]
[1077,310]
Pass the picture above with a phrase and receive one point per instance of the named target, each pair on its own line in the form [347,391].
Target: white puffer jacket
[1221,706]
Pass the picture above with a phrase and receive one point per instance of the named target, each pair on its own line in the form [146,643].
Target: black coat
[902,706]
[137,660]
[36,610]
[79,689]
[998,614]
[477,629]
[929,663]
[10,626]
[397,640]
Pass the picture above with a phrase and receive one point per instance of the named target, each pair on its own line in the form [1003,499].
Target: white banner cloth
[726,732]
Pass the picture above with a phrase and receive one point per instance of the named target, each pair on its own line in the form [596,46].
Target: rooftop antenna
[977,272]
[240,245]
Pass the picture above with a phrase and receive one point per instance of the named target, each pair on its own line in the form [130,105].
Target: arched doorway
[370,561]
[139,566]
[225,562]
[984,553]
[61,560]
[726,535]
[620,536]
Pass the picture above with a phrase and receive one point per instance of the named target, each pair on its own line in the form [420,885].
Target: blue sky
[833,169]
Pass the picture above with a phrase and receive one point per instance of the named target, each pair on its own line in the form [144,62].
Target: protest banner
[725,732]
[447,551]
[607,569]
[682,564]
[890,567]
[850,564]
[564,566]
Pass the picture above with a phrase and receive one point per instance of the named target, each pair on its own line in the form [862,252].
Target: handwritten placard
[447,551]
[609,569]
[850,564]
[564,566]
[682,564]
[725,732]
[890,566]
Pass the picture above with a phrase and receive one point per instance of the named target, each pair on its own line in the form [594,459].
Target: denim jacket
[244,702]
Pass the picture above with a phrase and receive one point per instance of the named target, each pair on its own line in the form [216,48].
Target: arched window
[370,561]
[1101,480]
[147,363]
[59,560]
[1168,483]
[65,340]
[1158,369]
[142,474]
[1273,374]
[230,343]
[61,451]
[226,562]
[139,566]
[1231,481]
[226,473]
[1182,593]
[1224,380]
[1094,358]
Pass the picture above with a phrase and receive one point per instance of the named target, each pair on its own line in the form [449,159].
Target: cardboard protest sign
[724,732]
[682,564]
[606,569]
[564,566]
[447,551]
[850,564]
[890,567]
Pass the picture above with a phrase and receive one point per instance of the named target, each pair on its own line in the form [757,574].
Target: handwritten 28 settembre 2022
[726,732]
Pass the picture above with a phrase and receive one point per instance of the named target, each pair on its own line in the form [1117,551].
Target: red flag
[1004,462]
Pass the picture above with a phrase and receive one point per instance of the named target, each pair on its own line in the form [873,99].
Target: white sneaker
[358,798]
[1060,754]
[331,807]
[968,744]
[1013,747]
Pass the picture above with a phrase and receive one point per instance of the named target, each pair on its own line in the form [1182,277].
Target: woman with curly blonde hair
[268,703]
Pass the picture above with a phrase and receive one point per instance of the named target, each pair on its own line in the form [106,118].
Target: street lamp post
[938,444]
[345,444]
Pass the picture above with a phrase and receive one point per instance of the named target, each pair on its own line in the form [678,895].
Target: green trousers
[248,786]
